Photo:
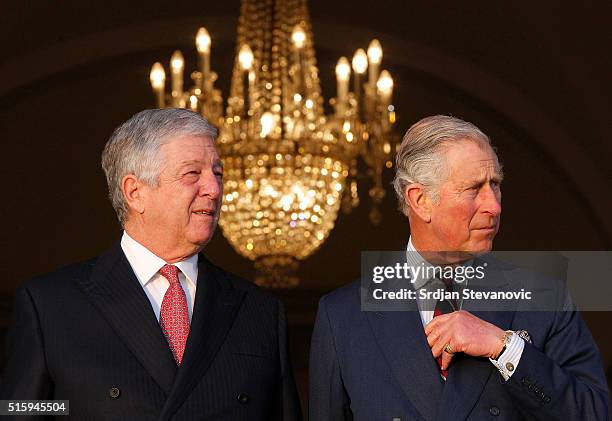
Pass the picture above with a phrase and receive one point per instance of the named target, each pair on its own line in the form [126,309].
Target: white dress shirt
[507,361]
[146,266]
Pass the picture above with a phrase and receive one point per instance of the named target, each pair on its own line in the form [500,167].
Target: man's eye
[193,172]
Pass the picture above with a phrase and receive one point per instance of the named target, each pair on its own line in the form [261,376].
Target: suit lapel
[115,291]
[401,338]
[468,376]
[216,305]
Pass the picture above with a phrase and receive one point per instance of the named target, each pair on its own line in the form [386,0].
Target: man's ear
[133,192]
[418,201]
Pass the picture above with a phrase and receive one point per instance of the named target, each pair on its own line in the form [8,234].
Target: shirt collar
[414,258]
[146,264]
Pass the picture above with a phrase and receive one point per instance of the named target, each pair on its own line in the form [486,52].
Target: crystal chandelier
[289,167]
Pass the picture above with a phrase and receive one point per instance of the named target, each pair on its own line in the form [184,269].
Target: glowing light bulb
[203,41]
[245,57]
[177,62]
[385,83]
[157,76]
[298,36]
[343,69]
[193,102]
[267,123]
[360,61]
[375,52]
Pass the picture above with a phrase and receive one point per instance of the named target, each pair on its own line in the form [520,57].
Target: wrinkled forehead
[189,147]
[472,159]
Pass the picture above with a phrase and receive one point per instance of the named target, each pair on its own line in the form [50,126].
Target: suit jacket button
[494,411]
[243,398]
[114,392]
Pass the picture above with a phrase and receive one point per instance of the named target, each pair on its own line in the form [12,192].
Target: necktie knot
[170,272]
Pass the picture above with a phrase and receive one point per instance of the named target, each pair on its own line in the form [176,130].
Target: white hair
[133,148]
[421,156]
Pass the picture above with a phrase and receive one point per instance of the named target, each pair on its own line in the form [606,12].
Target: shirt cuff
[508,361]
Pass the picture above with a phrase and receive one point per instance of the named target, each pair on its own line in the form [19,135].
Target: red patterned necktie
[173,317]
[444,307]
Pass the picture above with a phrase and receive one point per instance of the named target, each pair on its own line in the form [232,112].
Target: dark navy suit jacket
[87,333]
[368,365]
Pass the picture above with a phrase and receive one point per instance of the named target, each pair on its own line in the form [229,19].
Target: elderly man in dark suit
[452,359]
[151,329]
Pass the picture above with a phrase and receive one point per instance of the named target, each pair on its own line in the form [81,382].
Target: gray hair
[133,148]
[421,156]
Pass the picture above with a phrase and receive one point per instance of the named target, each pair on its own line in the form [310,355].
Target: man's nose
[491,201]
[210,185]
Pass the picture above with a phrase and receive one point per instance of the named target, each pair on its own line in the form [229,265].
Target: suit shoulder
[61,277]
[343,297]
[241,284]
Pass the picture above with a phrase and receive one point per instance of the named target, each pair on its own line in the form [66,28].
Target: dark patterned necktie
[445,307]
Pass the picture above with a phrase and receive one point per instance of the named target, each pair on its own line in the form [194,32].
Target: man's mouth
[209,212]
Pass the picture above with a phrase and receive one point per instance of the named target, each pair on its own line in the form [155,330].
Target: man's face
[183,210]
[468,214]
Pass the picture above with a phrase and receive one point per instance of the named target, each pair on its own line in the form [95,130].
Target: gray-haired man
[151,330]
[450,362]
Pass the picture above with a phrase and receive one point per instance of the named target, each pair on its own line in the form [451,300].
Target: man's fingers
[446,360]
[432,337]
[430,326]
[436,322]
[437,347]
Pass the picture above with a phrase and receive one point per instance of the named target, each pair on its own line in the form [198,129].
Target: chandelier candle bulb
[385,87]
[245,57]
[374,59]
[193,103]
[343,73]
[385,90]
[203,44]
[177,65]
[298,37]
[267,124]
[158,83]
[360,65]
[360,61]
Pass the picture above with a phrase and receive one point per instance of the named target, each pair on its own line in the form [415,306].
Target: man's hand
[465,333]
